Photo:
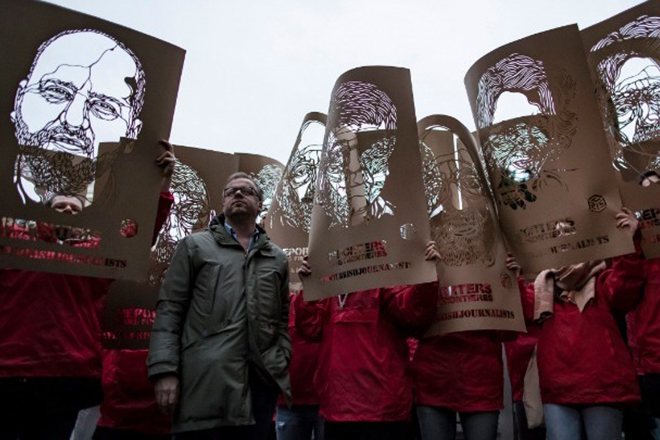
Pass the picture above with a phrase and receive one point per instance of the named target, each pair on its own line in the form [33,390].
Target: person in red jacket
[50,336]
[459,372]
[586,372]
[363,378]
[644,341]
[301,420]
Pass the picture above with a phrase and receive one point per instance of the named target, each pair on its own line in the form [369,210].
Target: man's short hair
[242,175]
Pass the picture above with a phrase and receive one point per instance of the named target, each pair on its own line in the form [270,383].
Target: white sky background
[253,69]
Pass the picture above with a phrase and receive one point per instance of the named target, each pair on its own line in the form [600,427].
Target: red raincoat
[644,322]
[582,357]
[363,373]
[460,371]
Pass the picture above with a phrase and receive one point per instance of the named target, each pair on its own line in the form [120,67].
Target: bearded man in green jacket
[220,349]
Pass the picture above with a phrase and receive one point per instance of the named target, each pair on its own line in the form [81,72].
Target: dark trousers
[43,408]
[264,401]
[366,430]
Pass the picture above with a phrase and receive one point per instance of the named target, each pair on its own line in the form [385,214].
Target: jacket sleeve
[171,310]
[623,284]
[283,329]
[310,317]
[412,307]
[527,299]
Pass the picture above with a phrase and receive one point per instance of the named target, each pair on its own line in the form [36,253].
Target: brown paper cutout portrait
[294,199]
[627,67]
[520,152]
[267,172]
[353,172]
[461,226]
[84,87]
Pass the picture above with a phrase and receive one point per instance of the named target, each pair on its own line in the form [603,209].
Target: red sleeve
[412,307]
[310,317]
[527,299]
[623,284]
[164,204]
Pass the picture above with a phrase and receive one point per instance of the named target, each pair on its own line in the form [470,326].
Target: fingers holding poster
[368,221]
[542,141]
[624,58]
[477,291]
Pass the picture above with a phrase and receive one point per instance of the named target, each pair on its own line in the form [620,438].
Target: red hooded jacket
[582,357]
[363,373]
[460,371]
[644,322]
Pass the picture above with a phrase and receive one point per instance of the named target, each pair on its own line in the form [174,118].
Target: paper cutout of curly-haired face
[84,87]
[267,178]
[191,211]
[519,152]
[354,163]
[630,76]
[460,223]
[296,197]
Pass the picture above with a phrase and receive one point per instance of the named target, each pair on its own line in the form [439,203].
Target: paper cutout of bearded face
[267,178]
[520,152]
[461,224]
[628,74]
[84,88]
[354,164]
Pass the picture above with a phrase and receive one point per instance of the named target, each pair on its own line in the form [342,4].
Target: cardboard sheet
[476,291]
[369,225]
[197,184]
[266,171]
[551,175]
[624,57]
[289,219]
[70,83]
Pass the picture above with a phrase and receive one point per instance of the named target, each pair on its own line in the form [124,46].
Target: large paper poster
[266,172]
[624,57]
[69,83]
[290,216]
[476,290]
[197,183]
[550,172]
[369,223]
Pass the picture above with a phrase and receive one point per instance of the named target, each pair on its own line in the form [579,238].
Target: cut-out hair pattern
[267,179]
[352,175]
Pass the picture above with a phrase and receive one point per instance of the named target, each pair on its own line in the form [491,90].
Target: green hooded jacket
[221,309]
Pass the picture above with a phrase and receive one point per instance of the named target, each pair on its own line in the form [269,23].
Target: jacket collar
[217,228]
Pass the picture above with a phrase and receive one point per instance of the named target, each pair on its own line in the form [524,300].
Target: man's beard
[463,237]
[57,137]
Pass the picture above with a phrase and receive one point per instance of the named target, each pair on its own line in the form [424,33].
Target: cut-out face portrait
[296,197]
[267,178]
[190,212]
[461,224]
[520,150]
[629,90]
[84,87]
[354,164]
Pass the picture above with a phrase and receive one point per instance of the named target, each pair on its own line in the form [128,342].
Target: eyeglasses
[245,190]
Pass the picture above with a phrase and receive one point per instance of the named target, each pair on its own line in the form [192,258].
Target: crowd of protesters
[359,367]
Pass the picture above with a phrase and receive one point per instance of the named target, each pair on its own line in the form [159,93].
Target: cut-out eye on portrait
[360,138]
[84,87]
[525,122]
[461,224]
[190,212]
[628,74]
[298,186]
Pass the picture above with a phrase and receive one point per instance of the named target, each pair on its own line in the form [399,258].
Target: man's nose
[75,113]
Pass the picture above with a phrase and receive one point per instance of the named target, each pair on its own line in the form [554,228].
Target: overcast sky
[253,69]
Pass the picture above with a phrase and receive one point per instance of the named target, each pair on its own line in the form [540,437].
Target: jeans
[298,423]
[601,422]
[440,424]
[366,430]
